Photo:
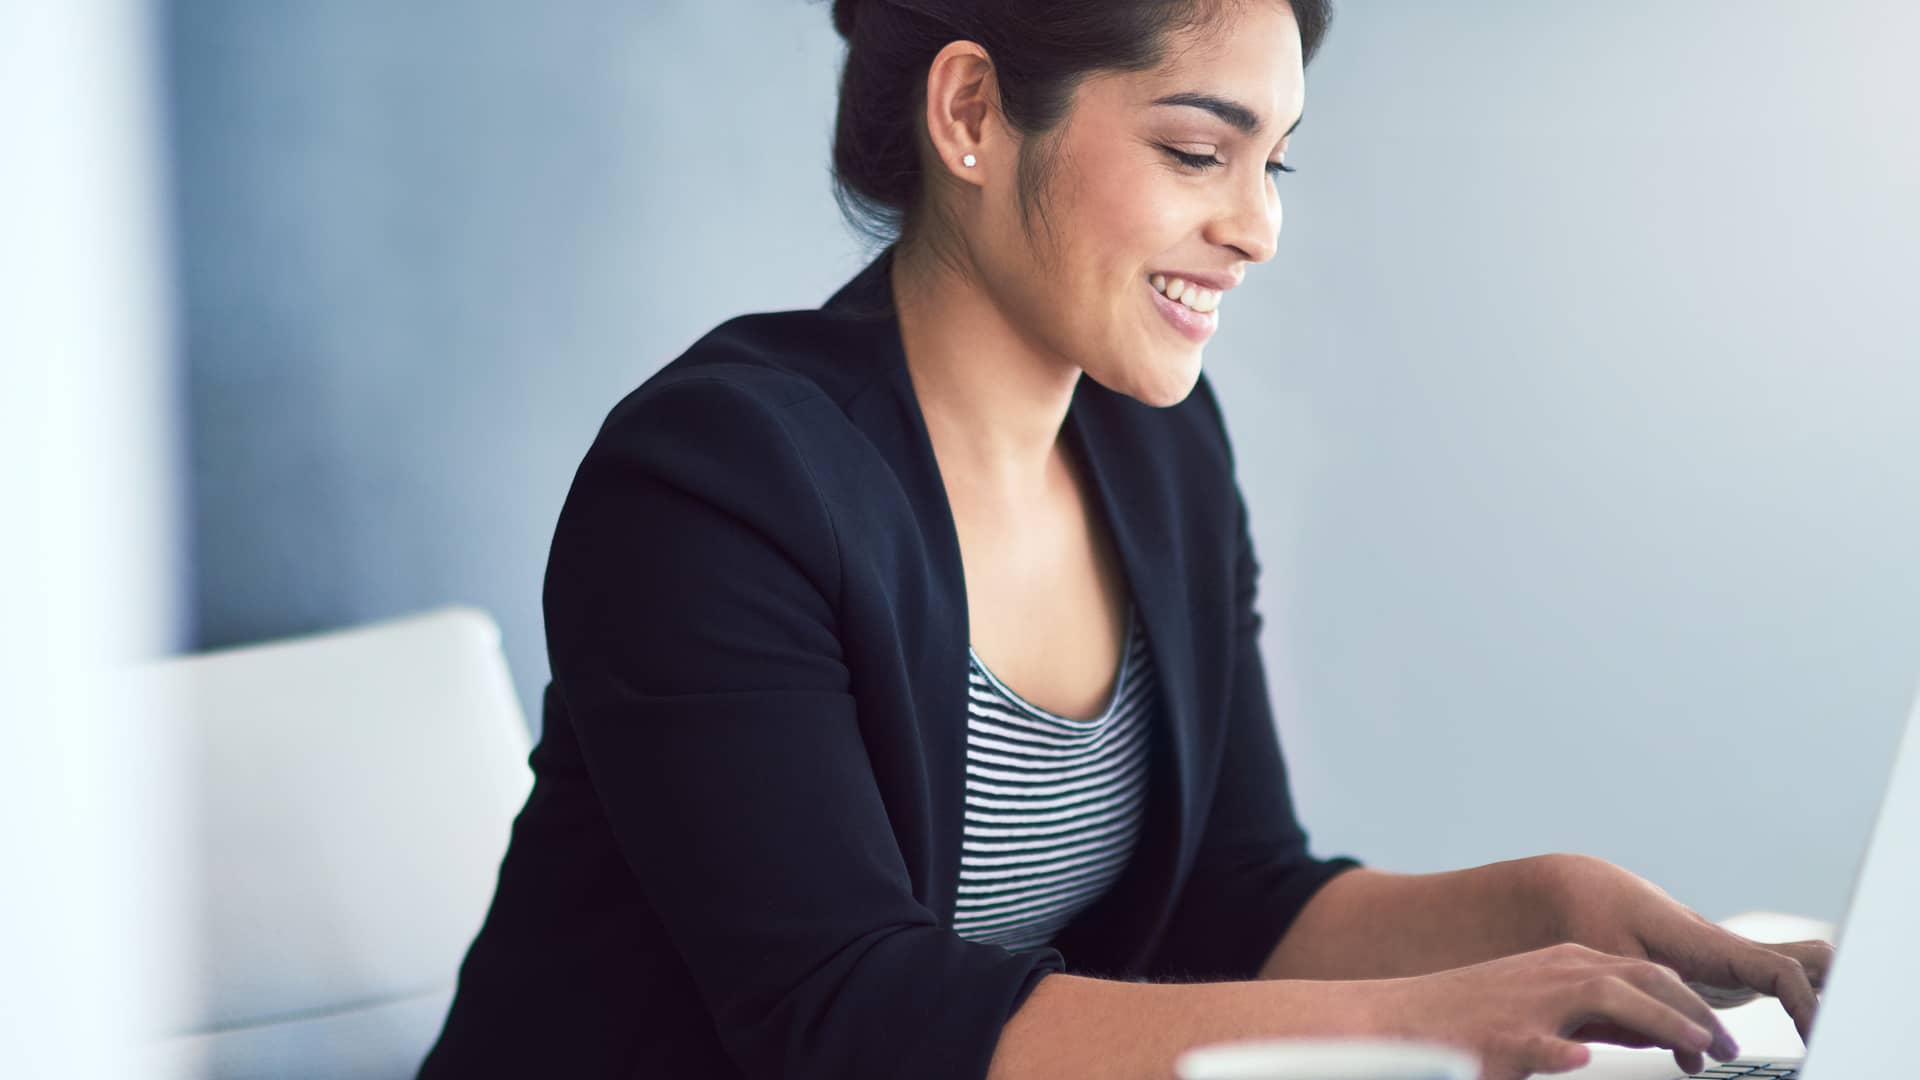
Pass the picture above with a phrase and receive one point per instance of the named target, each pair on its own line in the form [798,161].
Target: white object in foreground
[1326,1059]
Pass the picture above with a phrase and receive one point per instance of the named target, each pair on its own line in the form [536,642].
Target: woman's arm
[1372,924]
[1072,1027]
[695,640]
[1519,1015]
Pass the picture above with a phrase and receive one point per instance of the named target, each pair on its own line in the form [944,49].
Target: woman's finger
[1719,980]
[1782,976]
[1613,999]
[1723,997]
[1602,1031]
[1665,984]
[1814,957]
[1547,1054]
[1606,1031]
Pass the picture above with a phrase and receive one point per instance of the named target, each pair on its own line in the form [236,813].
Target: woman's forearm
[1372,924]
[1364,924]
[1073,1027]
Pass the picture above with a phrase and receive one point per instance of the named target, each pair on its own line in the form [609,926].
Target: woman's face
[1151,184]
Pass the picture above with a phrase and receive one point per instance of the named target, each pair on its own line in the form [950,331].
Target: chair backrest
[352,794]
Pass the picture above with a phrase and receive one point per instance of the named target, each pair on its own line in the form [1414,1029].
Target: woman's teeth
[1185,292]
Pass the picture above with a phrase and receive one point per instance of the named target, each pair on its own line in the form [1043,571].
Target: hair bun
[843,16]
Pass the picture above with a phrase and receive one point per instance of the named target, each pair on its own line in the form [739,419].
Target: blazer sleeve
[1253,873]
[690,610]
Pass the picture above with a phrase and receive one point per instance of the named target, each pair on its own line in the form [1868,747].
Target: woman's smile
[1196,326]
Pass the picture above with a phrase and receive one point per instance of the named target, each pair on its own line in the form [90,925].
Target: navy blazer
[740,853]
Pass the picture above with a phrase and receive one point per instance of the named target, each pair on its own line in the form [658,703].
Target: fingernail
[1724,1048]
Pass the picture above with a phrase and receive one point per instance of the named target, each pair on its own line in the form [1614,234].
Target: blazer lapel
[935,633]
[1138,494]
[1118,930]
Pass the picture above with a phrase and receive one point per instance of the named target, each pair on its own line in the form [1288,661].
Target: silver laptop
[1864,1008]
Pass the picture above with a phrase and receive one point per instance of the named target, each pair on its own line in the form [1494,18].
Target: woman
[907,718]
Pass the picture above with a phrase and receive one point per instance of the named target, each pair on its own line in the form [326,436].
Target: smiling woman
[908,716]
[1138,145]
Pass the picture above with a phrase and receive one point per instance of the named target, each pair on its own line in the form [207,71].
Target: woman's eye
[1209,161]
[1194,161]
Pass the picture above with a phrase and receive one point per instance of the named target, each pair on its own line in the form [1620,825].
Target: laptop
[1864,1009]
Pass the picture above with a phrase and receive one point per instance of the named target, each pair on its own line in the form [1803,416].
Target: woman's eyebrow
[1243,119]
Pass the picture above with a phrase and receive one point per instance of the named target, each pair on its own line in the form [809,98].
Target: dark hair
[1041,51]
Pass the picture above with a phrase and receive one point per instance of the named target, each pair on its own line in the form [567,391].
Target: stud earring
[967,161]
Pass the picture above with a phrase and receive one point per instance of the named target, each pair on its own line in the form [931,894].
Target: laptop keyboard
[1759,1070]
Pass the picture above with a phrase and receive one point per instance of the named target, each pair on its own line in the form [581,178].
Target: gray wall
[428,245]
[1576,413]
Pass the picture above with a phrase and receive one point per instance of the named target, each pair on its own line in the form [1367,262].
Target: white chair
[350,796]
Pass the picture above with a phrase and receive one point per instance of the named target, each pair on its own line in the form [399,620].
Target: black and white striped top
[1054,805]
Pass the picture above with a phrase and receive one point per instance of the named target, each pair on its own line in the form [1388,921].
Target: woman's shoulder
[759,384]
[745,422]
[776,406]
[751,368]
[774,360]
[699,475]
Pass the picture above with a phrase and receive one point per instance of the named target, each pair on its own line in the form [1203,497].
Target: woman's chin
[1160,381]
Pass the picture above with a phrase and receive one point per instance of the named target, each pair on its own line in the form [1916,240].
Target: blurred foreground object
[92,906]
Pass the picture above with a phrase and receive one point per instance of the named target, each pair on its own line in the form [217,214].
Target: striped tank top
[1053,805]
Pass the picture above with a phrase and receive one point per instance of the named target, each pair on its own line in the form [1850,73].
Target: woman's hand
[1604,907]
[1531,1011]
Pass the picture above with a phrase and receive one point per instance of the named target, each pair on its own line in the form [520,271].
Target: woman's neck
[994,403]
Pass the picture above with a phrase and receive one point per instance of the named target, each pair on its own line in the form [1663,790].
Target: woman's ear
[963,112]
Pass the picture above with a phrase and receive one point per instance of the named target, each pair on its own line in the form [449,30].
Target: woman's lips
[1197,326]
